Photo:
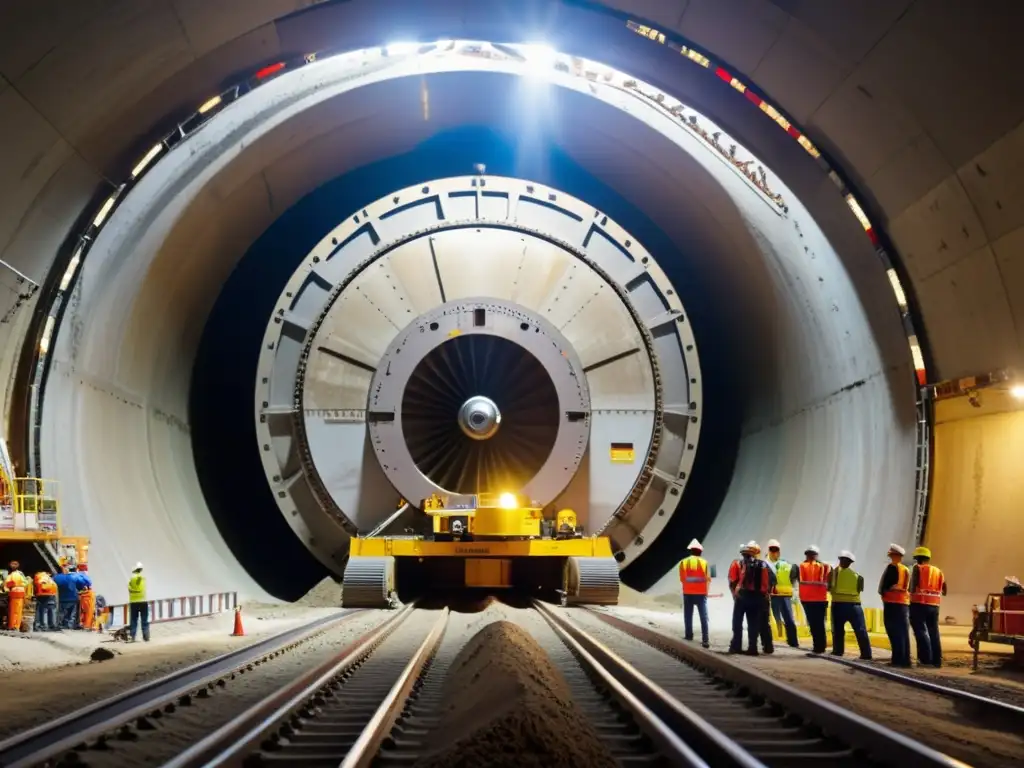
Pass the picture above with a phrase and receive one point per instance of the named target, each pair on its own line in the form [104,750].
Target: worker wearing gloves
[894,587]
[845,586]
[812,577]
[751,590]
[782,592]
[16,587]
[927,586]
[694,575]
[138,606]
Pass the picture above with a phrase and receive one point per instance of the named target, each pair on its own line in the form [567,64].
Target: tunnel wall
[157,268]
[977,488]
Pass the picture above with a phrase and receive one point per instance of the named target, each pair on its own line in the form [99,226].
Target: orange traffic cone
[239,632]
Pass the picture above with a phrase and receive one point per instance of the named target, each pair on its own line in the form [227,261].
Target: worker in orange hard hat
[695,577]
[16,587]
[927,587]
[46,602]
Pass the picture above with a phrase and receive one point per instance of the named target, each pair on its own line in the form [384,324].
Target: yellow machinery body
[30,512]
[497,543]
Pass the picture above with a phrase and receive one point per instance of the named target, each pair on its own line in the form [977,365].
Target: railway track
[774,723]
[120,715]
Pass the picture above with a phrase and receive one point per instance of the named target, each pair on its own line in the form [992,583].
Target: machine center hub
[479,418]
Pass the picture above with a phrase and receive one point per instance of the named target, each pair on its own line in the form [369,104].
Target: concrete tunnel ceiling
[802,393]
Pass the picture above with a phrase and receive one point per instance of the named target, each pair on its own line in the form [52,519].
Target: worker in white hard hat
[138,606]
[782,591]
[894,587]
[752,589]
[845,585]
[695,578]
[812,578]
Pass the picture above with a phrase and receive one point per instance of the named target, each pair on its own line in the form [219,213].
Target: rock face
[507,705]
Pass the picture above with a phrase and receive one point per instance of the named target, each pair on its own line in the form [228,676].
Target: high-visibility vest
[45,585]
[845,585]
[14,580]
[693,575]
[928,590]
[813,582]
[754,577]
[899,593]
[783,585]
[137,588]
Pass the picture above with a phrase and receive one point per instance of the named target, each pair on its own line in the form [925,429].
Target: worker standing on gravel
[694,575]
[86,598]
[46,603]
[67,598]
[845,586]
[782,592]
[751,590]
[894,587]
[16,587]
[812,578]
[138,607]
[927,586]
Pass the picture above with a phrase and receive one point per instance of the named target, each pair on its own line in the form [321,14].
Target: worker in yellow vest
[695,577]
[894,587]
[782,592]
[927,586]
[16,587]
[138,606]
[845,586]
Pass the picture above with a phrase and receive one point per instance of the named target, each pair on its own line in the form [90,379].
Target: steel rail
[883,744]
[680,734]
[991,706]
[230,743]
[75,728]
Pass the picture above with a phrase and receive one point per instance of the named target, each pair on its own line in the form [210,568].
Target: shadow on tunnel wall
[222,390]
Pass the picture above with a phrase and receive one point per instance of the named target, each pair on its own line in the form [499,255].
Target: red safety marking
[751,96]
[872,235]
[922,379]
[269,70]
[722,74]
[793,132]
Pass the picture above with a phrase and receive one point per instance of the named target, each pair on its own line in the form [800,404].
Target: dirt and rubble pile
[507,705]
[326,594]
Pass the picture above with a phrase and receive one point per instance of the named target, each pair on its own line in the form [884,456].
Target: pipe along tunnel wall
[803,339]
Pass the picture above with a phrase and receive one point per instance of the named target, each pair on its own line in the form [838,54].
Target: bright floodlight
[401,49]
[508,501]
[539,57]
[1017,391]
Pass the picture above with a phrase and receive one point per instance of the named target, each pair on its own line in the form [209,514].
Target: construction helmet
[138,567]
[813,549]
[847,555]
[754,547]
[1013,580]
[774,543]
[896,549]
[695,545]
[923,552]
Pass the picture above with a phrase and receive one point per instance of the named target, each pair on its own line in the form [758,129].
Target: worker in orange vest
[46,602]
[695,578]
[86,597]
[16,587]
[927,586]
[894,587]
[751,590]
[812,580]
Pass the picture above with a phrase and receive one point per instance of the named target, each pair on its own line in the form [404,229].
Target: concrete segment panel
[850,30]
[908,174]
[938,230]
[209,24]
[666,14]
[1009,252]
[739,31]
[981,326]
[994,180]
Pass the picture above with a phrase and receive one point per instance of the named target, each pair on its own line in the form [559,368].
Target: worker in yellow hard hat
[927,587]
[695,577]
[16,587]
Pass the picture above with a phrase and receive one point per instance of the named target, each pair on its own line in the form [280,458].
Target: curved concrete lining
[823,319]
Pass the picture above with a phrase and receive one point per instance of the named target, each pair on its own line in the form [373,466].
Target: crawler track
[134,707]
[774,723]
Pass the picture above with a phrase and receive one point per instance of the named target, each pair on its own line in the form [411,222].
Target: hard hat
[1013,580]
[138,566]
[774,543]
[923,552]
[695,545]
[747,548]
[752,546]
[896,549]
[848,555]
[813,549]
[62,562]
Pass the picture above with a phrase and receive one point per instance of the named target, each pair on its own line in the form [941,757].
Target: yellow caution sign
[622,453]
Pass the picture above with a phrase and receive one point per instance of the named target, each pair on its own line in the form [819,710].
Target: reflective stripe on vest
[783,586]
[693,574]
[929,586]
[813,584]
[898,593]
[846,586]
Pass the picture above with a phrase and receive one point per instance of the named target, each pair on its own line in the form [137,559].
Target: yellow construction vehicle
[483,542]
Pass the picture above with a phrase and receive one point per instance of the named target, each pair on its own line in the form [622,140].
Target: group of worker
[63,600]
[910,599]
